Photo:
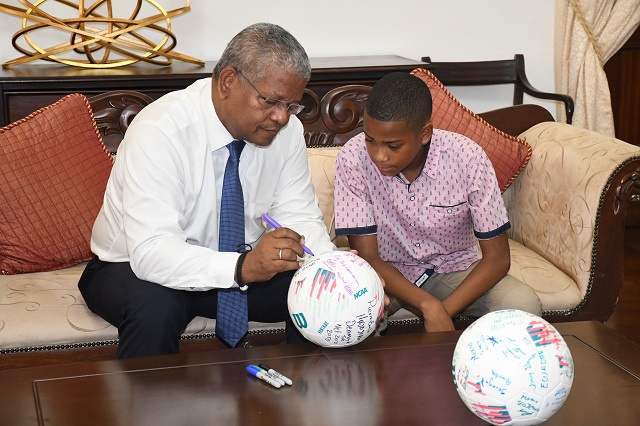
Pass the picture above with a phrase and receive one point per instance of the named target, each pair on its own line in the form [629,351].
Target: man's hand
[277,251]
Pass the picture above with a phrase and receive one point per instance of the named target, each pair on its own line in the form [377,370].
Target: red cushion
[508,154]
[54,171]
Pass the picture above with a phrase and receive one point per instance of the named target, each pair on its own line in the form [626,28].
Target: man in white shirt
[157,263]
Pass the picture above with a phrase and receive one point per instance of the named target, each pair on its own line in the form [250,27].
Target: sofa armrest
[569,205]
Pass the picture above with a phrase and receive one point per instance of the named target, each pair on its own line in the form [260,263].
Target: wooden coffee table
[402,379]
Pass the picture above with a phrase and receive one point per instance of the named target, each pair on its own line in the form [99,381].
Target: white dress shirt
[161,205]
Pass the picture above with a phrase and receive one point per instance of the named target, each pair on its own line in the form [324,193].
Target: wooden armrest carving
[629,186]
[114,111]
[340,116]
[343,108]
[311,111]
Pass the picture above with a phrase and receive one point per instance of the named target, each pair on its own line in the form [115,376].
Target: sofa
[567,200]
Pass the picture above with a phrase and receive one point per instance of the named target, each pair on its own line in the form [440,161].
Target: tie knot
[235,149]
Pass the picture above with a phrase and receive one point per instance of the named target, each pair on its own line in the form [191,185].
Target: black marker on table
[276,374]
[262,375]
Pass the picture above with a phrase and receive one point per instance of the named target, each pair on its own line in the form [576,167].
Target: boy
[416,202]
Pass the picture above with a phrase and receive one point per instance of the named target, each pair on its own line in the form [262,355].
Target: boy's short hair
[400,96]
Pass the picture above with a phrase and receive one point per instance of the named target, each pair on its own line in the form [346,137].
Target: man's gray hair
[260,47]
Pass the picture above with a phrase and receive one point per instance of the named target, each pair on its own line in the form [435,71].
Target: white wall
[445,30]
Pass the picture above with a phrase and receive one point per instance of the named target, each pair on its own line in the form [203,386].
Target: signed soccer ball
[336,299]
[512,368]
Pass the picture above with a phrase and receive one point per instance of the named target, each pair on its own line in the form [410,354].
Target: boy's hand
[386,297]
[436,317]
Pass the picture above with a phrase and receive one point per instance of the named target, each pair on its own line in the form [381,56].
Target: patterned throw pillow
[53,173]
[508,154]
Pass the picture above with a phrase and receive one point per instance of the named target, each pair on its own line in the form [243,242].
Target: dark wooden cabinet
[24,89]
[623,75]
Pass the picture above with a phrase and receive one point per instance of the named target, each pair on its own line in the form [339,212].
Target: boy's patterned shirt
[433,222]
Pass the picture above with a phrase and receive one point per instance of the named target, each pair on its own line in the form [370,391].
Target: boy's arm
[493,266]
[436,317]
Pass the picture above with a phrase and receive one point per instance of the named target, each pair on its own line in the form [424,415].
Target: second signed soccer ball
[512,368]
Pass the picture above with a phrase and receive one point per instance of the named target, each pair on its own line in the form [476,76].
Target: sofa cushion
[323,167]
[508,154]
[556,290]
[45,309]
[54,173]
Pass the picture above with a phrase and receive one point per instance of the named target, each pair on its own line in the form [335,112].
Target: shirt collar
[219,136]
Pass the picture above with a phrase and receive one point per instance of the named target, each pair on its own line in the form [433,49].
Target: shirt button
[449,210]
[217,280]
[412,224]
[418,245]
[413,197]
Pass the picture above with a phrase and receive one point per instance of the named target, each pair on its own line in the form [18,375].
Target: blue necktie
[232,316]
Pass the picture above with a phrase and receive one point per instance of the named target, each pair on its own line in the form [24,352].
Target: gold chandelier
[104,40]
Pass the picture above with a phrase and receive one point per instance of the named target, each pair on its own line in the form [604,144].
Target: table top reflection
[401,379]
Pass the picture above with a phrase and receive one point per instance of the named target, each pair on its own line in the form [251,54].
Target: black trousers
[150,317]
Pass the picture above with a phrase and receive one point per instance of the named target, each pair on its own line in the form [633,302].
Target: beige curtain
[587,34]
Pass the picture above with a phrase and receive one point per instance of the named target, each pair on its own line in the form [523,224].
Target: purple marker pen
[276,225]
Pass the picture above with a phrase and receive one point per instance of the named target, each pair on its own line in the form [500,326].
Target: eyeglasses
[291,109]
